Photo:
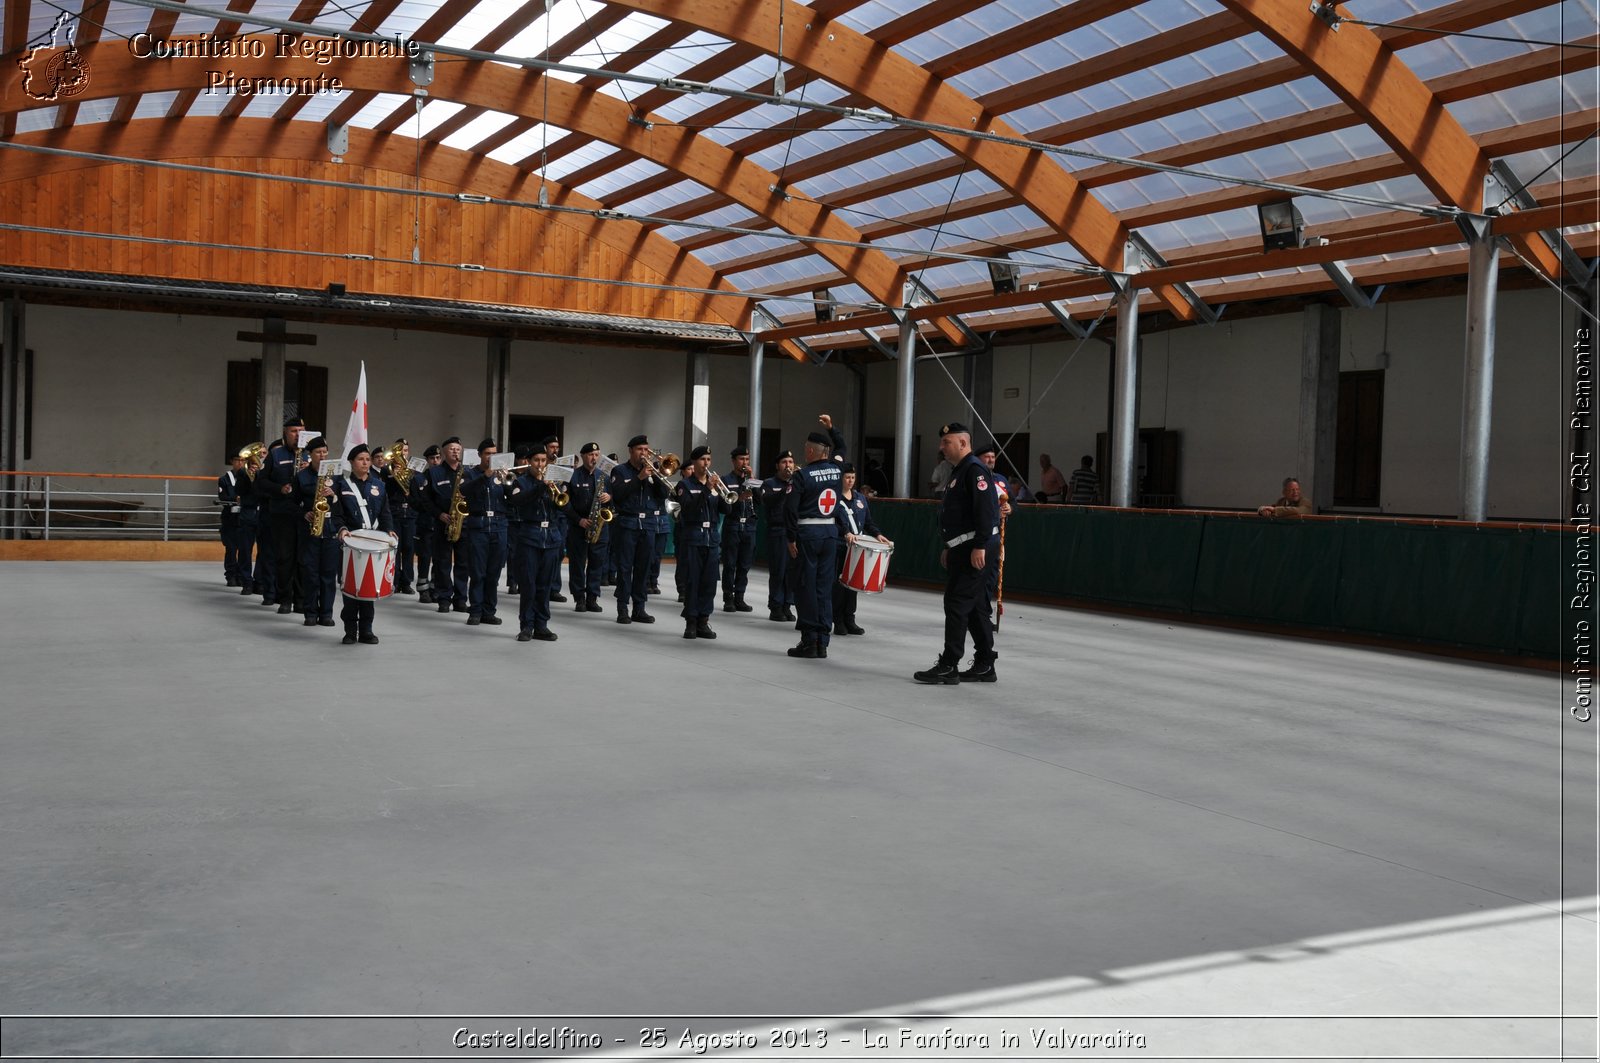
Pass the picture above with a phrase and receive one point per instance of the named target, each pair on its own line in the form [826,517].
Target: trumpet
[726,493]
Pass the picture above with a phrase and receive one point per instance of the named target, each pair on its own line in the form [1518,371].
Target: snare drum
[368,570]
[866,565]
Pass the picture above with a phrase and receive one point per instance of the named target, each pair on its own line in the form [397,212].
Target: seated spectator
[939,479]
[1084,487]
[1052,485]
[1292,504]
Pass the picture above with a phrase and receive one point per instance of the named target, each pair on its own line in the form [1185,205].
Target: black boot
[703,629]
[806,649]
[939,673]
[788,613]
[740,605]
[727,605]
[852,628]
[593,606]
[838,627]
[775,614]
[689,629]
[982,671]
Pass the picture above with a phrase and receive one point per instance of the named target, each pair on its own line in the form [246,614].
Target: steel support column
[13,353]
[758,354]
[1319,402]
[497,391]
[1477,390]
[1125,400]
[905,396]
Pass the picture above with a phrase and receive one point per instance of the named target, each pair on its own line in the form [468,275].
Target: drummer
[363,506]
[855,521]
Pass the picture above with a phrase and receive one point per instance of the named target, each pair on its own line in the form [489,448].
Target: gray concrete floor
[211,810]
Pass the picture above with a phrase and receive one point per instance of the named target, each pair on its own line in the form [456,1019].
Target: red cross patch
[826,501]
[983,485]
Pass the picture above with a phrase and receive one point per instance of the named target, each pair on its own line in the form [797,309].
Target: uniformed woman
[855,520]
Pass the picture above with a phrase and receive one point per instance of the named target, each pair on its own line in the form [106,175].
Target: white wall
[137,392]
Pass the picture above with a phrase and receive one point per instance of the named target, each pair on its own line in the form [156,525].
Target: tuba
[254,454]
[394,456]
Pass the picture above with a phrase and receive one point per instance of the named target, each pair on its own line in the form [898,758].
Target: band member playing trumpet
[539,529]
[639,493]
[813,542]
[780,589]
[319,541]
[449,558]
[485,535]
[738,535]
[701,501]
[363,504]
[587,546]
[276,486]
[854,518]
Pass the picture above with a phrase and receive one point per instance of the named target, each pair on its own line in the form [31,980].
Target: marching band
[380,523]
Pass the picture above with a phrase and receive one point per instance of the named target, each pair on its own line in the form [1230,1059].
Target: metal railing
[90,505]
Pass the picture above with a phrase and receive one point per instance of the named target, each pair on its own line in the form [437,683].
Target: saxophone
[458,509]
[599,516]
[319,509]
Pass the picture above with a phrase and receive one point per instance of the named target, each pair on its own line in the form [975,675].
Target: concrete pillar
[1122,490]
[273,357]
[697,426]
[13,353]
[758,353]
[905,395]
[1319,402]
[497,392]
[1477,391]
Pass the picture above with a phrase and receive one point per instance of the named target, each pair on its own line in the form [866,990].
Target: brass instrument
[254,454]
[723,491]
[319,508]
[458,509]
[599,515]
[558,492]
[397,466]
[670,463]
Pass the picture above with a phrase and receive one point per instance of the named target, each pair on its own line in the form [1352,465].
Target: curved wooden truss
[1082,207]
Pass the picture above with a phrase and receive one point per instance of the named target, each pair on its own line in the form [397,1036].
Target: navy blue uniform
[539,531]
[738,543]
[969,519]
[319,555]
[809,524]
[361,505]
[229,484]
[284,521]
[698,546]
[485,536]
[638,504]
[255,555]
[404,511]
[780,589]
[584,562]
[449,558]
[854,517]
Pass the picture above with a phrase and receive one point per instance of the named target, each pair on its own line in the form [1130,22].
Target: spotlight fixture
[823,303]
[336,290]
[1004,274]
[1281,225]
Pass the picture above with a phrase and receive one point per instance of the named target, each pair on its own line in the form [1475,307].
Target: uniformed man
[854,518]
[969,525]
[813,542]
[738,535]
[774,493]
[403,511]
[276,485]
[485,536]
[427,527]
[255,555]
[363,504]
[700,504]
[585,562]
[539,527]
[989,454]
[319,553]
[639,498]
[229,486]
[552,451]
[450,573]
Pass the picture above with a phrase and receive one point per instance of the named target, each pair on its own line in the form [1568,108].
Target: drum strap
[361,500]
[850,516]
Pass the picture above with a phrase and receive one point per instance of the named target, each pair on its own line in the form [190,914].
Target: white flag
[356,432]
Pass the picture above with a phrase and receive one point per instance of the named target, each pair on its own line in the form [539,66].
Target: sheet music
[417,464]
[500,462]
[559,474]
[469,458]
[605,466]
[333,467]
[568,460]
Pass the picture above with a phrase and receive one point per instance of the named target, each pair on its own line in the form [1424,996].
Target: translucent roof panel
[1522,104]
[527,143]
[621,179]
